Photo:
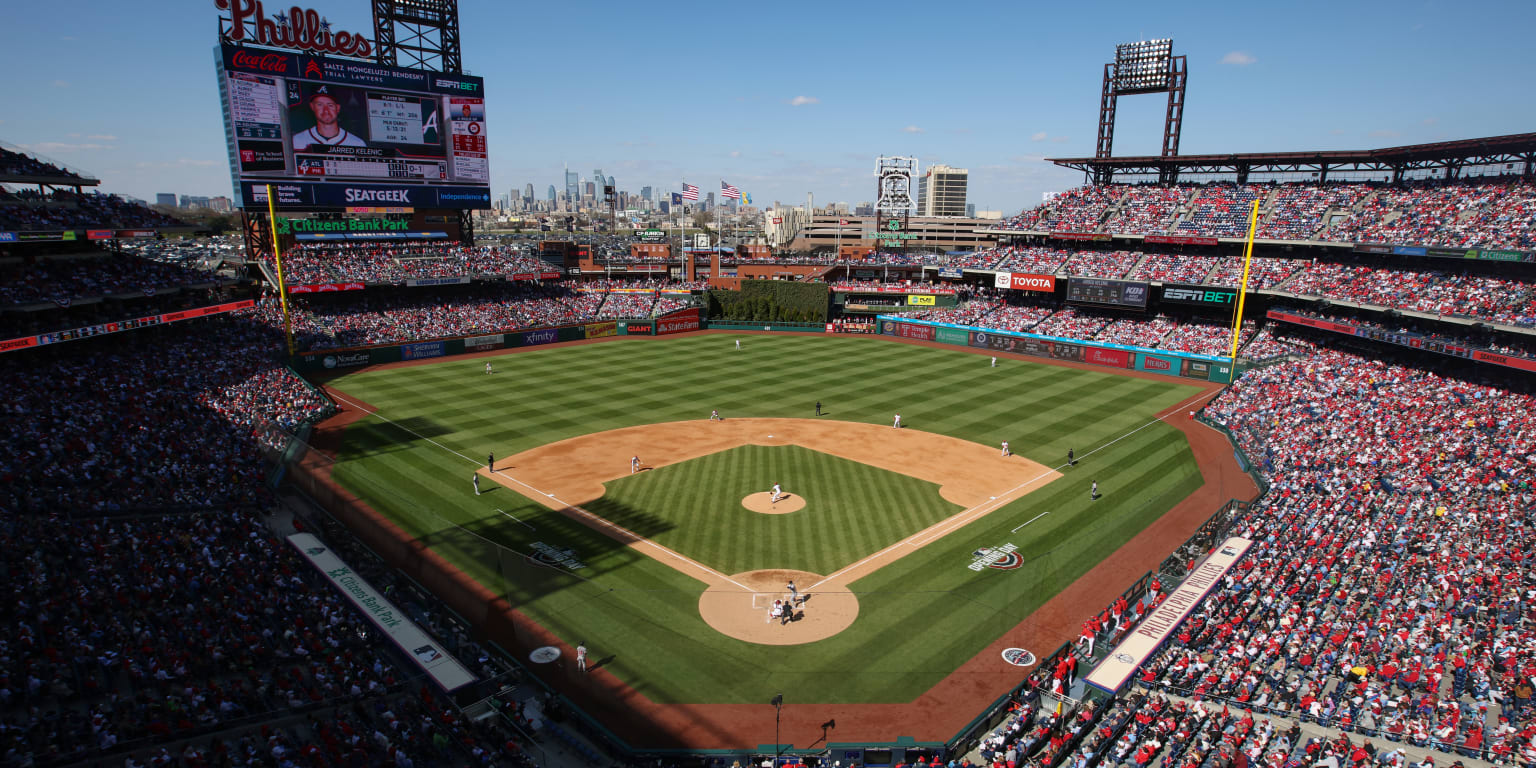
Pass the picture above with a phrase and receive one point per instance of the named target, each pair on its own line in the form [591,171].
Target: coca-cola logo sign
[299,28]
[264,62]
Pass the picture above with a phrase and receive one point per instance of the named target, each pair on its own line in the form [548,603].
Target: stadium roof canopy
[1444,159]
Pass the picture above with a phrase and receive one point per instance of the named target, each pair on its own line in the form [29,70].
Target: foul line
[588,515]
[515,517]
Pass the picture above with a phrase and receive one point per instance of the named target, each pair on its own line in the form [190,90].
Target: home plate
[994,498]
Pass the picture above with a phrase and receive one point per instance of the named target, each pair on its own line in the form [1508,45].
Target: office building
[941,191]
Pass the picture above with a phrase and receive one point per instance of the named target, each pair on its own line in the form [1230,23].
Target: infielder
[773,495]
[488,369]
[634,464]
[1006,452]
[581,655]
[1093,493]
[477,484]
[715,416]
[897,424]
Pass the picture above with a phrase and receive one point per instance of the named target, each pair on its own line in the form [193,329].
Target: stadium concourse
[1388,598]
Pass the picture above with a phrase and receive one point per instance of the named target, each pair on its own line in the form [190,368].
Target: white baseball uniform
[897,424]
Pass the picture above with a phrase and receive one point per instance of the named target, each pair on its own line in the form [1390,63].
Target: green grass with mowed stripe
[919,618]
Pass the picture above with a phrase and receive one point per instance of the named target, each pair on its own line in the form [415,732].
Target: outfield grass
[919,618]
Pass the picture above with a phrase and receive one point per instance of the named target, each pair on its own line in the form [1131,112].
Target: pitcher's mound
[744,614]
[758,502]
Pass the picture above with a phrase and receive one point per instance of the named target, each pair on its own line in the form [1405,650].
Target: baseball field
[912,550]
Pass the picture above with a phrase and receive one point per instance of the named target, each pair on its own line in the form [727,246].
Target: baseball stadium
[1211,461]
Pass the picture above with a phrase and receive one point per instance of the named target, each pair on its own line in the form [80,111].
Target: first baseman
[634,464]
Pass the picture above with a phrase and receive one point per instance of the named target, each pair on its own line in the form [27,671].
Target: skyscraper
[528,192]
[645,194]
[572,185]
[551,193]
[941,191]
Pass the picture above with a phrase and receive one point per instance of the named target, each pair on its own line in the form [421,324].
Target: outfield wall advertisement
[680,321]
[601,330]
[1185,364]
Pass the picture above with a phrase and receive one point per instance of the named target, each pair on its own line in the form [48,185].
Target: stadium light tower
[1148,66]
[418,34]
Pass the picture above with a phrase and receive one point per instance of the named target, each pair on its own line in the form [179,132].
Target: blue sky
[789,98]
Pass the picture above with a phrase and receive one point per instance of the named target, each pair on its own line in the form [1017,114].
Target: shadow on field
[549,552]
[379,437]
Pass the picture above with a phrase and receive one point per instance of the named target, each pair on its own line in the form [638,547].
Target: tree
[702,219]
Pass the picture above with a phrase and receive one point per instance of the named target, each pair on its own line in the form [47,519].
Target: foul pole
[1242,289]
[277,254]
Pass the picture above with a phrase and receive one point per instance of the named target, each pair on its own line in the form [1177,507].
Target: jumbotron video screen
[337,132]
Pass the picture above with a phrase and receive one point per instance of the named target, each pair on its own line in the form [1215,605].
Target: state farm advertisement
[1020,281]
[678,322]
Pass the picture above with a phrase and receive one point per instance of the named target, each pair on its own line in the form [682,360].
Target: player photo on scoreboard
[322,116]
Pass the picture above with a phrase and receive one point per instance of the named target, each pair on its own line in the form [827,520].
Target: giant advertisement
[1199,295]
[338,132]
[1115,293]
[1020,281]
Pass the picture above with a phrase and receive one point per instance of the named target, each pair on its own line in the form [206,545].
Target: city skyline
[1019,91]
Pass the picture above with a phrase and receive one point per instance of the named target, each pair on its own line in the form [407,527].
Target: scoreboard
[331,132]
[1114,293]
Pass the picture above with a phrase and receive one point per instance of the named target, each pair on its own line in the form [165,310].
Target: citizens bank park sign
[299,28]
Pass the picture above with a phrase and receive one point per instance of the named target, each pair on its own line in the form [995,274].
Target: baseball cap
[323,90]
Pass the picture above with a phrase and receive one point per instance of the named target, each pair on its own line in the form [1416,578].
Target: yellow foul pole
[1242,288]
[277,254]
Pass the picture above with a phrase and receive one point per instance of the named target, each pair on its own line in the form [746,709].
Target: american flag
[727,190]
[690,192]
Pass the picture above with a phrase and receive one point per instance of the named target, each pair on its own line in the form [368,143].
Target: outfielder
[738,343]
[488,368]
[994,362]
[634,464]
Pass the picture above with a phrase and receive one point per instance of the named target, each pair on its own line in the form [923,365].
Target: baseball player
[897,424]
[1070,460]
[738,343]
[1093,493]
[994,362]
[715,416]
[327,130]
[1006,452]
[477,484]
[818,407]
[773,495]
[794,594]
[488,370]
[634,464]
[776,611]
[490,462]
[581,655]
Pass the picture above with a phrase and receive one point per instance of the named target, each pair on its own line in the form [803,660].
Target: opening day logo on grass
[555,557]
[1004,558]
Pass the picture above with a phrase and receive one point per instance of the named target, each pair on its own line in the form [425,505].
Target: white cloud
[800,101]
[1239,58]
[1038,136]
[735,153]
[912,129]
[51,147]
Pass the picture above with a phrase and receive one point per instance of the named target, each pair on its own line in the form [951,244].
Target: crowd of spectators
[1071,323]
[66,279]
[1436,292]
[1386,591]
[1269,344]
[1297,211]
[1015,315]
[425,314]
[68,210]
[1077,210]
[20,164]
[1262,273]
[1204,337]
[1104,264]
[966,314]
[1221,210]
[1147,210]
[1137,331]
[1033,259]
[1494,213]
[379,262]
[623,306]
[1174,268]
[218,390]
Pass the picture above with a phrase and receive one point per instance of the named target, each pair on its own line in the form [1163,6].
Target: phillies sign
[300,28]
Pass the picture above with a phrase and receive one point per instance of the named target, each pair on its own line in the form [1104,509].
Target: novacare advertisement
[431,657]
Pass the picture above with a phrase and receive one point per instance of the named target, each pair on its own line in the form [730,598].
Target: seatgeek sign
[340,195]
